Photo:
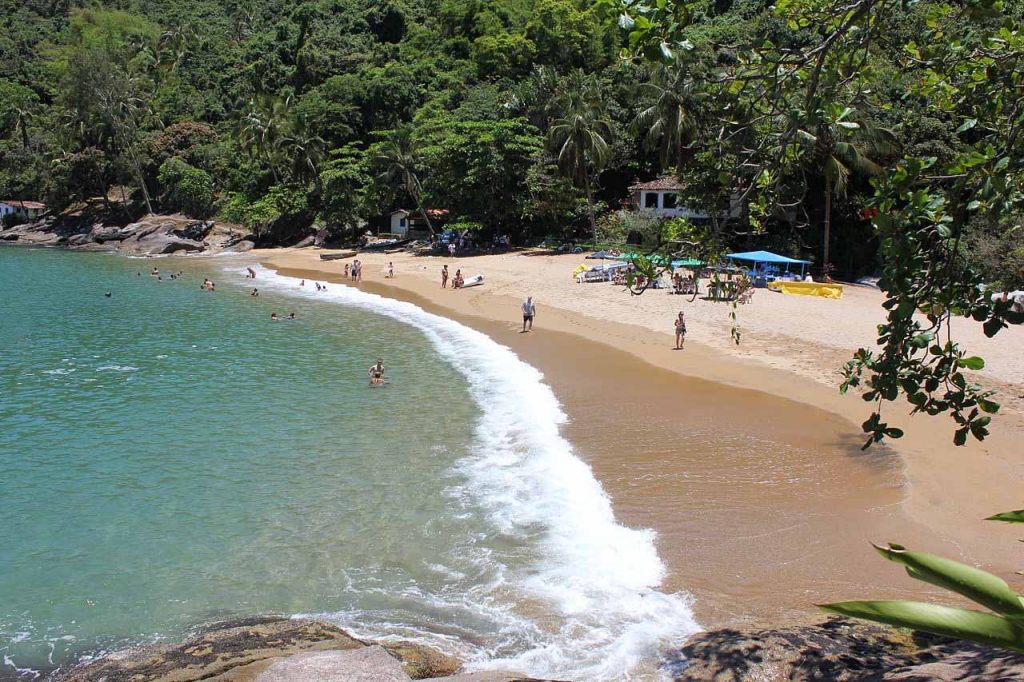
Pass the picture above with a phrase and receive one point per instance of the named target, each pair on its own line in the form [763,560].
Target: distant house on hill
[662,196]
[404,221]
[26,210]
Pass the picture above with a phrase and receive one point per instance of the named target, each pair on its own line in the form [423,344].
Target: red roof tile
[23,204]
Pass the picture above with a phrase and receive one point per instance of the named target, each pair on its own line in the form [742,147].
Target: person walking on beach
[529,310]
[680,330]
[346,270]
[391,270]
[444,276]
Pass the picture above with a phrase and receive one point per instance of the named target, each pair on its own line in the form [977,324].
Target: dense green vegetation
[519,116]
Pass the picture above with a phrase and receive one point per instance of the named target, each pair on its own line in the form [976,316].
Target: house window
[669,201]
[401,222]
[650,200]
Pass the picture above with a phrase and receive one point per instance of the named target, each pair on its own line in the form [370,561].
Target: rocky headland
[149,235]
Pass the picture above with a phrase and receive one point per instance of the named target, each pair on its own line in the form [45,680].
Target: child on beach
[680,330]
[391,270]
[346,270]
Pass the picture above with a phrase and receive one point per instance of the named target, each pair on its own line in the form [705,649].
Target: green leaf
[973,362]
[967,125]
[989,406]
[976,626]
[1009,517]
[977,585]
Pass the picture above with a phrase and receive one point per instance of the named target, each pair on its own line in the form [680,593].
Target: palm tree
[669,124]
[842,147]
[580,136]
[304,151]
[398,163]
[263,127]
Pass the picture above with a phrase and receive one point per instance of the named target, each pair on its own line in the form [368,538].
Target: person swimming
[273,317]
[376,373]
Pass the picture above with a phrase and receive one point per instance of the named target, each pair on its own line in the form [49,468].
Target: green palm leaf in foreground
[976,626]
[1004,628]
[1009,517]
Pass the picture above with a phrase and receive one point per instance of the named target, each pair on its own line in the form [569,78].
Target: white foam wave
[598,576]
[117,368]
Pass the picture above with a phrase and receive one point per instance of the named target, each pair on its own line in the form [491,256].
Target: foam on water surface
[586,604]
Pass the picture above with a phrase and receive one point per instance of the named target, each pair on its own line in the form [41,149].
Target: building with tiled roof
[26,210]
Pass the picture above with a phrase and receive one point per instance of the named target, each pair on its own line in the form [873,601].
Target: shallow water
[171,457]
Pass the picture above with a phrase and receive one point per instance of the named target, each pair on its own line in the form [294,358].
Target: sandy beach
[746,459]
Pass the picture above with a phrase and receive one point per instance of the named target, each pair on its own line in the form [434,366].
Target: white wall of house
[400,223]
[666,203]
[17,209]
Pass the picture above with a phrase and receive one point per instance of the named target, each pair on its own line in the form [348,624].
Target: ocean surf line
[585,605]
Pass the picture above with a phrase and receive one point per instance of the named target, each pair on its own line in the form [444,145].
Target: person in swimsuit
[529,310]
[444,277]
[376,372]
[680,330]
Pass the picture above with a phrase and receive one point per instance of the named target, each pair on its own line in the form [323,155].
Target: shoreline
[920,491]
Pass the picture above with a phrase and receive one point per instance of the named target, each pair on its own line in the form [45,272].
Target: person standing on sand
[529,310]
[391,270]
[680,330]
[359,271]
[444,276]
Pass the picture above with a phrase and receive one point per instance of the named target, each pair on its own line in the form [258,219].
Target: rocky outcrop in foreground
[287,650]
[151,235]
[278,650]
[839,650]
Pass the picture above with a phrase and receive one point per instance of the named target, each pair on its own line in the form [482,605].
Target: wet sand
[751,475]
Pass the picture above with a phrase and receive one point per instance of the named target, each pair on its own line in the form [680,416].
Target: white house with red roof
[26,210]
[403,220]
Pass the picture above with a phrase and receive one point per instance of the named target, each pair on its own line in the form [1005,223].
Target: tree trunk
[590,204]
[828,231]
[423,212]
[142,181]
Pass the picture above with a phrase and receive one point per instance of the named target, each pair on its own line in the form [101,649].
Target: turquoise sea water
[170,457]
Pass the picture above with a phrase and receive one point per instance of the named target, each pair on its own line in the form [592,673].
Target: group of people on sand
[457,281]
[355,272]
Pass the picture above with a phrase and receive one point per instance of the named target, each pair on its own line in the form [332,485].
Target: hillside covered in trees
[523,117]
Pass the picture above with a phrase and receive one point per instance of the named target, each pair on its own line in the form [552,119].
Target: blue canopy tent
[767,257]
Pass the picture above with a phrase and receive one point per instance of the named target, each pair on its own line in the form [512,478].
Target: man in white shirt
[529,310]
